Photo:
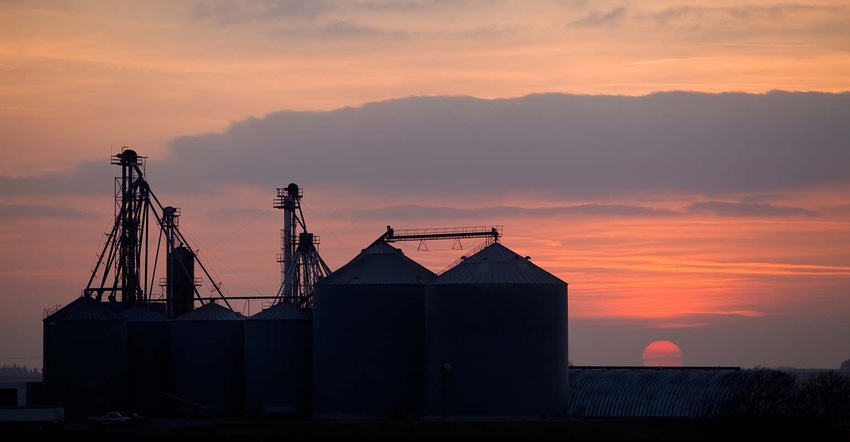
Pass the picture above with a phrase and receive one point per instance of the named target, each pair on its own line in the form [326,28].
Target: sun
[662,354]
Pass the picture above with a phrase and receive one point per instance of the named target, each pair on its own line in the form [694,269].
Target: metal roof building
[496,339]
[368,336]
[278,360]
[651,391]
[85,357]
[207,359]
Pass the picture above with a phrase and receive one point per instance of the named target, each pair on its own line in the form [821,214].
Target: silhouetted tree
[762,392]
[826,395]
[845,365]
[17,372]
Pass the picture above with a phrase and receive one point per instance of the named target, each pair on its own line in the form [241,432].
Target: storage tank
[85,357]
[148,356]
[278,361]
[367,336]
[496,339]
[180,291]
[207,360]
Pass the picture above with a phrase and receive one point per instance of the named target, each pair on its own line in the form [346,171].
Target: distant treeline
[14,372]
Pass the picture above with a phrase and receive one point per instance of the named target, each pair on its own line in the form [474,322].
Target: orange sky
[79,79]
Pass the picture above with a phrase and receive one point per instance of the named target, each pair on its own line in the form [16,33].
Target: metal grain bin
[207,360]
[180,292]
[496,339]
[85,357]
[367,336]
[278,361]
[148,353]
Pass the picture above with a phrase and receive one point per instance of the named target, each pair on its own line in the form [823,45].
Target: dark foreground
[568,429]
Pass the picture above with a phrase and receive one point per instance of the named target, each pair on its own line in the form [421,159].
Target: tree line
[19,372]
[772,393]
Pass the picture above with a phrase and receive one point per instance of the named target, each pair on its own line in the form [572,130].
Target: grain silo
[207,360]
[148,353]
[278,361]
[496,339]
[367,336]
[85,357]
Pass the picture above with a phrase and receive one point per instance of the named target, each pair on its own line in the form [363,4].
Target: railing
[442,233]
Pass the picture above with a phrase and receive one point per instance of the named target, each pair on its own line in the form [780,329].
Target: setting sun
[662,354]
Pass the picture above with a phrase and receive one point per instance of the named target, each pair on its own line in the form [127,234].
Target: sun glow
[662,354]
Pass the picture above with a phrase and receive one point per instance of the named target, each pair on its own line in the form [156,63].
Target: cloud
[228,12]
[20,211]
[240,214]
[776,13]
[406,5]
[416,212]
[615,16]
[564,145]
[341,16]
[721,208]
[337,30]
[87,178]
[839,209]
[346,29]
[598,149]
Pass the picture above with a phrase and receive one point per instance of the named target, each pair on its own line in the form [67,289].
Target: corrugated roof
[211,312]
[650,392]
[380,263]
[496,264]
[139,313]
[85,308]
[282,310]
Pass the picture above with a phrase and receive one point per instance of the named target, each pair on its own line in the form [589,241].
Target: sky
[683,166]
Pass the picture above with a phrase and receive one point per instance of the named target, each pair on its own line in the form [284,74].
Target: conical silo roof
[277,359]
[68,365]
[210,312]
[368,336]
[282,310]
[497,319]
[206,358]
[379,264]
[139,313]
[496,264]
[84,308]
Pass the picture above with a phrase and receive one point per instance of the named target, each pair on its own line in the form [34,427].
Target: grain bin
[496,339]
[148,360]
[207,360]
[85,357]
[278,361]
[367,336]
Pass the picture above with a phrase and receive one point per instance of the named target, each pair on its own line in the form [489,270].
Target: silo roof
[85,308]
[380,263]
[210,312]
[282,310]
[139,313]
[496,264]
